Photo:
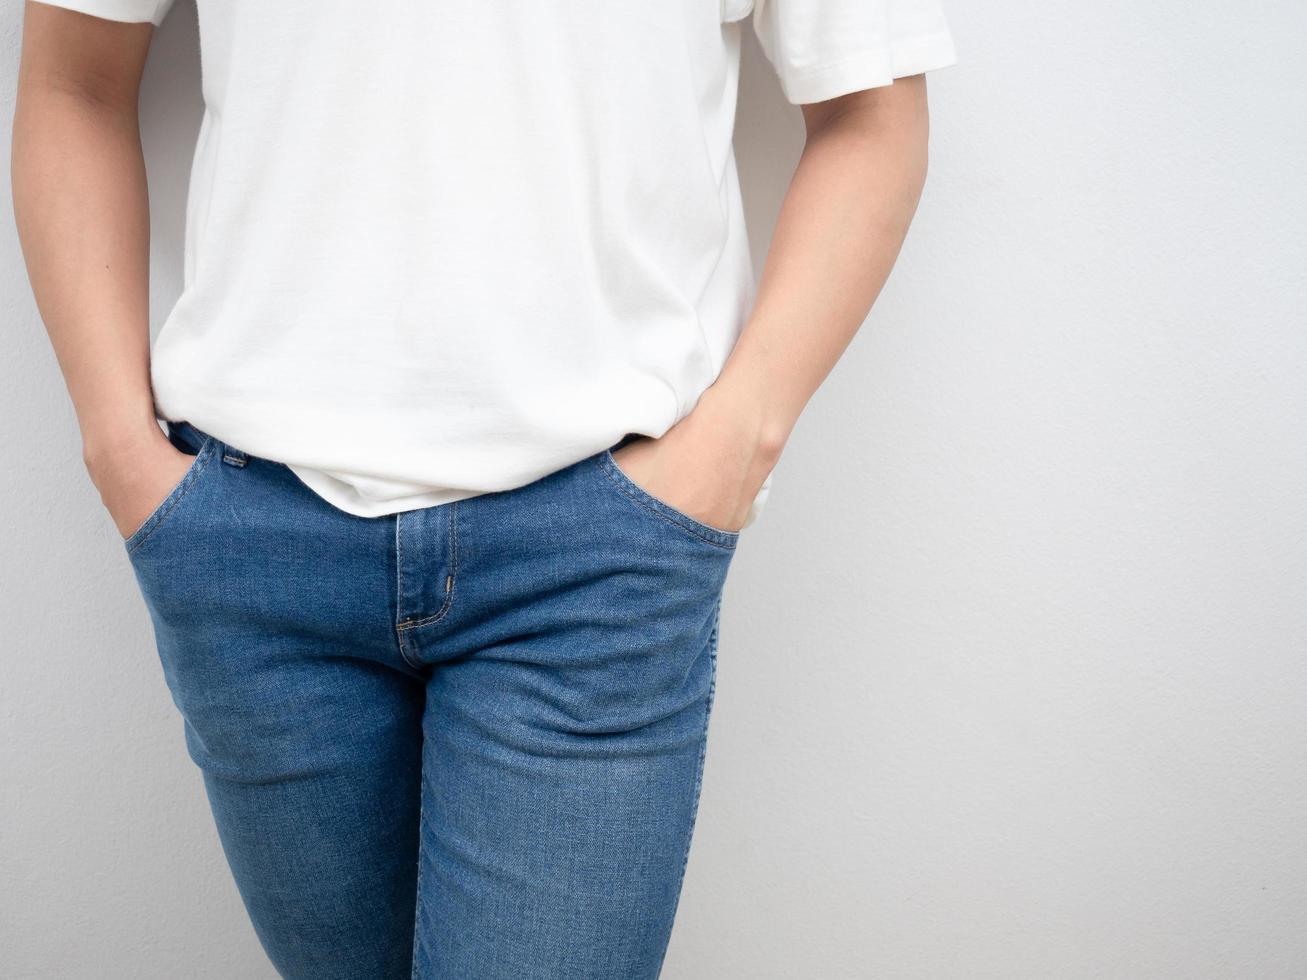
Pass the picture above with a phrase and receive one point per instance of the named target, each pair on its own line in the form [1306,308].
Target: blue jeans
[458,742]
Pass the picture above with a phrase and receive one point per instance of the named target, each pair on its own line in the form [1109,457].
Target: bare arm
[841,226]
[83,218]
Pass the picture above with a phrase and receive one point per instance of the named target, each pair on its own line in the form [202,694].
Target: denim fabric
[458,742]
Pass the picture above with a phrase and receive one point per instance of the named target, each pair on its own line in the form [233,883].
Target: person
[466,400]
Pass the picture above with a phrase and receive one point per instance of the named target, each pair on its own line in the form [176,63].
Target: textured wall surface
[1013,669]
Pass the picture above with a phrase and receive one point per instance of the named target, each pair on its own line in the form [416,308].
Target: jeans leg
[322,840]
[274,620]
[565,732]
[548,852]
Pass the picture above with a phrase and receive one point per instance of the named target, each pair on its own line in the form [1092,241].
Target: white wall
[1013,675]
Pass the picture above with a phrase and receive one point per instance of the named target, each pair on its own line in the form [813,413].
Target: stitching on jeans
[418,901]
[202,457]
[404,653]
[703,747]
[423,912]
[399,591]
[453,549]
[644,498]
[440,614]
[433,618]
[399,566]
[630,494]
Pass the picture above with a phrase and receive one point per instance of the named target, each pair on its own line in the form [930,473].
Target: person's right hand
[133,481]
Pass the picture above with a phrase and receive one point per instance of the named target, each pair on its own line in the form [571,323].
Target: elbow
[89,92]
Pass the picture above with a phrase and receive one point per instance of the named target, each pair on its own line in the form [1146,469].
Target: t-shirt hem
[123,11]
[341,496]
[873,68]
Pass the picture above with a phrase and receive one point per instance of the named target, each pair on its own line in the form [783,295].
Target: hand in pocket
[134,481]
[709,466]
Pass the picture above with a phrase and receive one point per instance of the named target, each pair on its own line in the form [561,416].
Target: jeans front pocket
[167,508]
[639,495]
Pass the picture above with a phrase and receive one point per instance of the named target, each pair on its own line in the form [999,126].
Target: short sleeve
[825,48]
[128,11]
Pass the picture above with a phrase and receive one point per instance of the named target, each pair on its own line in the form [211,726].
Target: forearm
[83,218]
[842,223]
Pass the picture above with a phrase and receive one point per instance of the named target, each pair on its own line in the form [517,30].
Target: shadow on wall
[769,136]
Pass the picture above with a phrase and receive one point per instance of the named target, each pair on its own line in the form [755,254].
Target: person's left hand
[709,465]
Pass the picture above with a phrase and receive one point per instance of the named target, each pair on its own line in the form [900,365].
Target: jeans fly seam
[412,624]
[453,549]
[405,653]
[399,596]
[399,566]
[438,615]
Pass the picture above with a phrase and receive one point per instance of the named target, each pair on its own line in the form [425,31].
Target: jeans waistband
[186,436]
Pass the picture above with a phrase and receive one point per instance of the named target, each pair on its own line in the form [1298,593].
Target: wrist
[750,413]
[107,444]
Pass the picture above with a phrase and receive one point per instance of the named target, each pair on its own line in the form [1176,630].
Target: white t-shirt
[439,249]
